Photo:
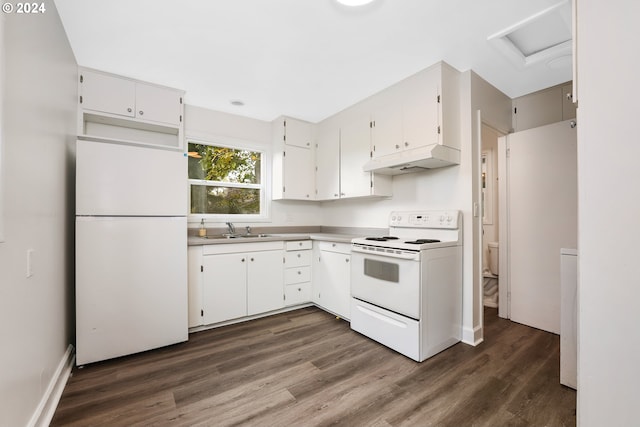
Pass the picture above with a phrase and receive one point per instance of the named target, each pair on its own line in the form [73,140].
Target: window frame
[264,186]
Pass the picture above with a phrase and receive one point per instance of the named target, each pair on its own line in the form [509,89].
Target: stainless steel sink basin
[235,236]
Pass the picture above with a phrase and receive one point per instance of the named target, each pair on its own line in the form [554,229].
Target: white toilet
[493,257]
[490,282]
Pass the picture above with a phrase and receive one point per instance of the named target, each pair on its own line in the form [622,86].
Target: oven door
[387,281]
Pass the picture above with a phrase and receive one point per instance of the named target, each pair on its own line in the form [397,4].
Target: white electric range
[406,287]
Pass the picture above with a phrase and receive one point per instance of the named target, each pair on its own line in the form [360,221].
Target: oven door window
[387,271]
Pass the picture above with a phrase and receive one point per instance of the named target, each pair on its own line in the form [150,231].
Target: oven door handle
[391,253]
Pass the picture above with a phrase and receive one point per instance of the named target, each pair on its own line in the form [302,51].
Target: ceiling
[309,58]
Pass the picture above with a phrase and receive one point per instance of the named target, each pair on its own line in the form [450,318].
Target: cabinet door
[224,287]
[420,111]
[158,104]
[334,290]
[298,173]
[265,281]
[386,129]
[355,151]
[328,164]
[108,94]
[297,133]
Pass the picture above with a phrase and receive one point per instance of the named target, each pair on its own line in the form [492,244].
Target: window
[226,181]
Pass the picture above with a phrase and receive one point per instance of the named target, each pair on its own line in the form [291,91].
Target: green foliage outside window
[230,180]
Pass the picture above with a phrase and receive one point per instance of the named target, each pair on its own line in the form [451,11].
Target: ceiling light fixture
[354,2]
[237,103]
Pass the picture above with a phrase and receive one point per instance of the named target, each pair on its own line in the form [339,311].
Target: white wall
[214,125]
[39,119]
[608,214]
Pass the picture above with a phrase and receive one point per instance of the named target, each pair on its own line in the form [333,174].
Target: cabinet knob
[141,112]
[299,255]
[397,146]
[335,194]
[299,289]
[242,259]
[299,272]
[129,110]
[570,96]
[342,194]
[333,245]
[299,243]
[406,144]
[251,259]
[346,260]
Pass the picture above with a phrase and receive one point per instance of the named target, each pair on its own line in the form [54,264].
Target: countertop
[217,239]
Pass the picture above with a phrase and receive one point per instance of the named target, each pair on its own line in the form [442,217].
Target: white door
[158,104]
[542,219]
[265,281]
[298,173]
[131,285]
[335,288]
[224,287]
[115,179]
[355,149]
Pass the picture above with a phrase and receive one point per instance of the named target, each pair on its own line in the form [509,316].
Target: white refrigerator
[131,249]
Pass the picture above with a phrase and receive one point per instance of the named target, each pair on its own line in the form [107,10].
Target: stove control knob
[393,218]
[441,218]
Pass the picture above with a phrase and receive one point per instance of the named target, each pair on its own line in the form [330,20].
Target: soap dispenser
[203,231]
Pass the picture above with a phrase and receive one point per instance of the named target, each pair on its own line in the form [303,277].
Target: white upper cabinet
[421,110]
[544,107]
[115,108]
[158,104]
[386,123]
[111,94]
[296,132]
[107,94]
[355,151]
[343,148]
[328,163]
[293,160]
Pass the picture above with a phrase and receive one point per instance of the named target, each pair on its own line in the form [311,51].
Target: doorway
[489,200]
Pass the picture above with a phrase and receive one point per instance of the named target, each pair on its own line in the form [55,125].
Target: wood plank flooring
[306,368]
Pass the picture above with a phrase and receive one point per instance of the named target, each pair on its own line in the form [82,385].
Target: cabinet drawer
[297,275]
[298,293]
[343,248]
[298,245]
[297,258]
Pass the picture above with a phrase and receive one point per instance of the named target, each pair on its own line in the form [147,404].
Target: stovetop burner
[422,241]
[381,239]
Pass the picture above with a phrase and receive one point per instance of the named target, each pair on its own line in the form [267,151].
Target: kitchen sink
[236,236]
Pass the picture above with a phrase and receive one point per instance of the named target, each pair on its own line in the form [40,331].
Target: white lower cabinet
[264,282]
[225,287]
[297,272]
[230,281]
[332,277]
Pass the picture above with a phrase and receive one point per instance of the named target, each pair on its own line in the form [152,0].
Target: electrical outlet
[30,262]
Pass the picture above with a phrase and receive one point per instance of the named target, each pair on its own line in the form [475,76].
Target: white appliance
[131,249]
[406,288]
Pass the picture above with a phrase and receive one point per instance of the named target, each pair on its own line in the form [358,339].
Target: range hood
[414,160]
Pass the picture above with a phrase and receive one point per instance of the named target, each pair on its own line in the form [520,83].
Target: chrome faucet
[232,228]
[248,229]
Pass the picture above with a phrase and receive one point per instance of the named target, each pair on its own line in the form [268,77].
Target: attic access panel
[545,36]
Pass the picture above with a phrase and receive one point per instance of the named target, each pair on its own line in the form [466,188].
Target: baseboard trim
[47,407]
[472,336]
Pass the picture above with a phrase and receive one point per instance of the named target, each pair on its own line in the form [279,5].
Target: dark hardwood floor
[306,368]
